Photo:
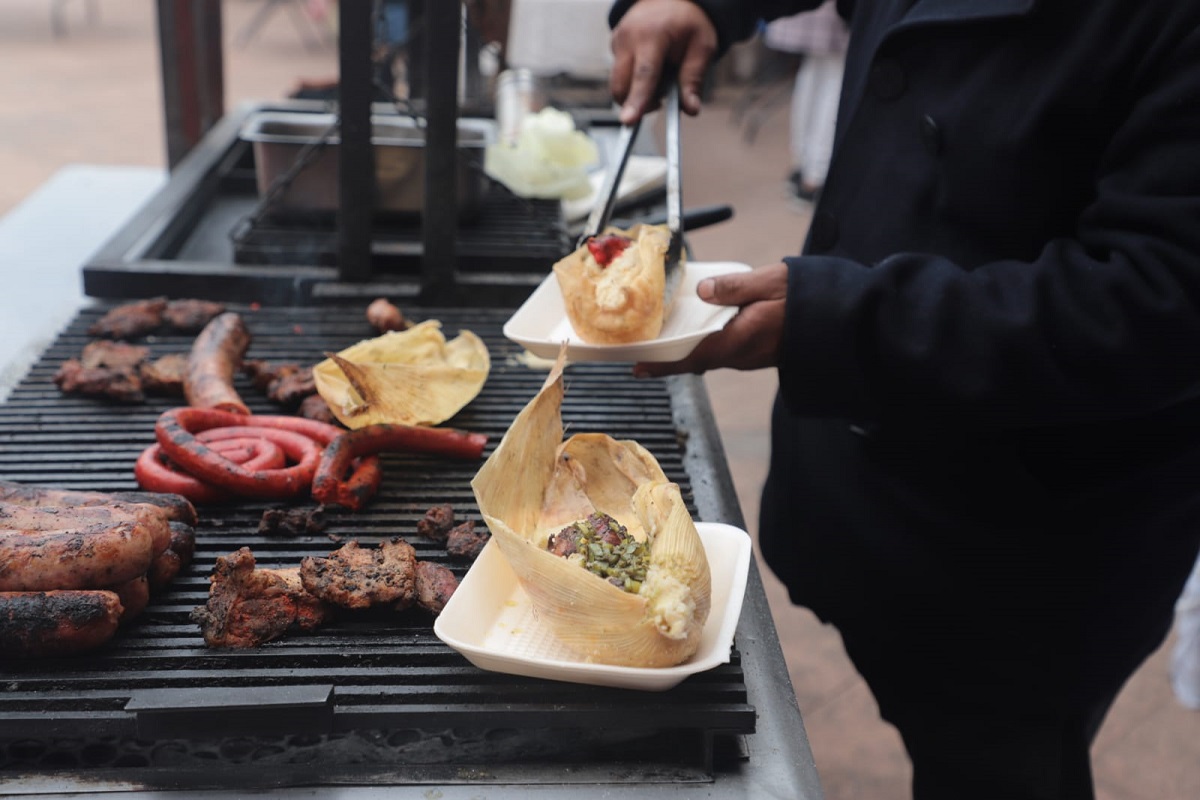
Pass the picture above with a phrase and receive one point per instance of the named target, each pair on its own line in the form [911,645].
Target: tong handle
[674,174]
[606,201]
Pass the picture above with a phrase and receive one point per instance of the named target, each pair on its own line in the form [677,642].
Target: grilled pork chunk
[164,376]
[357,577]
[437,522]
[190,316]
[131,320]
[315,407]
[435,585]
[248,606]
[119,384]
[464,542]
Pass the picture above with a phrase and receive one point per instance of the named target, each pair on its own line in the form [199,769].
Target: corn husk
[411,377]
[534,484]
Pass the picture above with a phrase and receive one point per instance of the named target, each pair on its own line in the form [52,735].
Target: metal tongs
[606,201]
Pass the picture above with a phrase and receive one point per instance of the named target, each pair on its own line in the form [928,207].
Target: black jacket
[1010,230]
[1001,288]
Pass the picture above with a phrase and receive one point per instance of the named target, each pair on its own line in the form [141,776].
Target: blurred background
[82,85]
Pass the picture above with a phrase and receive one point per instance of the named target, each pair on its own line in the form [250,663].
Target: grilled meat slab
[190,316]
[248,606]
[131,320]
[357,577]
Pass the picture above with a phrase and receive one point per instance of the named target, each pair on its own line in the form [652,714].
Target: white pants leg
[1185,659]
[814,114]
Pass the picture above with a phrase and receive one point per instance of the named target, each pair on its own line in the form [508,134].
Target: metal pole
[443,28]
[193,78]
[356,156]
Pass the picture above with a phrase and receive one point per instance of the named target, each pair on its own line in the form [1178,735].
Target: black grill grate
[508,234]
[383,672]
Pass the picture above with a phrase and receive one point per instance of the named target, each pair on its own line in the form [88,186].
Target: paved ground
[92,96]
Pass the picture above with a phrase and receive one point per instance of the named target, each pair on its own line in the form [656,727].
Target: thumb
[743,288]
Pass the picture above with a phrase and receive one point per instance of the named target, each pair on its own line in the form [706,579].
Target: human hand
[751,340]
[652,34]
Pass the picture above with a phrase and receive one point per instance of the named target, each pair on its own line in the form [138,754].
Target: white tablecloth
[553,37]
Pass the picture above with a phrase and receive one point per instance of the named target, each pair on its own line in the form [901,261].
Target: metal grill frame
[705,743]
[142,259]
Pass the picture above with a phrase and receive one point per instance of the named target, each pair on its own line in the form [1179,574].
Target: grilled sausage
[169,563]
[215,358]
[177,508]
[332,487]
[156,472]
[87,557]
[56,623]
[176,431]
[33,518]
[134,596]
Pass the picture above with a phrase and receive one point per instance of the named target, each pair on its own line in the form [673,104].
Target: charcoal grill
[376,699]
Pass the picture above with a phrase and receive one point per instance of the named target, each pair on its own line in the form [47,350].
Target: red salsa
[606,247]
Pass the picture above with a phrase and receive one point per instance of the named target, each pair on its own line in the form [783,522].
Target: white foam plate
[540,325]
[490,620]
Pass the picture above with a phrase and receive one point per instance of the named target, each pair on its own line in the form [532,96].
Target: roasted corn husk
[411,377]
[534,484]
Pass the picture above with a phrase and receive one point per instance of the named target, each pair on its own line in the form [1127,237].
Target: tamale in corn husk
[534,484]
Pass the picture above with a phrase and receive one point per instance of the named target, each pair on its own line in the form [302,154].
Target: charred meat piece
[384,317]
[437,522]
[105,369]
[248,606]
[164,376]
[290,389]
[435,585]
[190,316]
[292,521]
[119,384]
[131,320]
[464,542]
[356,577]
[315,407]
[263,373]
[56,623]
[286,383]
[105,353]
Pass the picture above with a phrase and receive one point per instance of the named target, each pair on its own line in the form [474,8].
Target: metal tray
[280,139]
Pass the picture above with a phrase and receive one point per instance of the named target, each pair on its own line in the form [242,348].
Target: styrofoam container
[540,325]
[491,621]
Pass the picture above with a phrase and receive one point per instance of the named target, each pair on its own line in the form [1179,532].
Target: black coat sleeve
[1102,324]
